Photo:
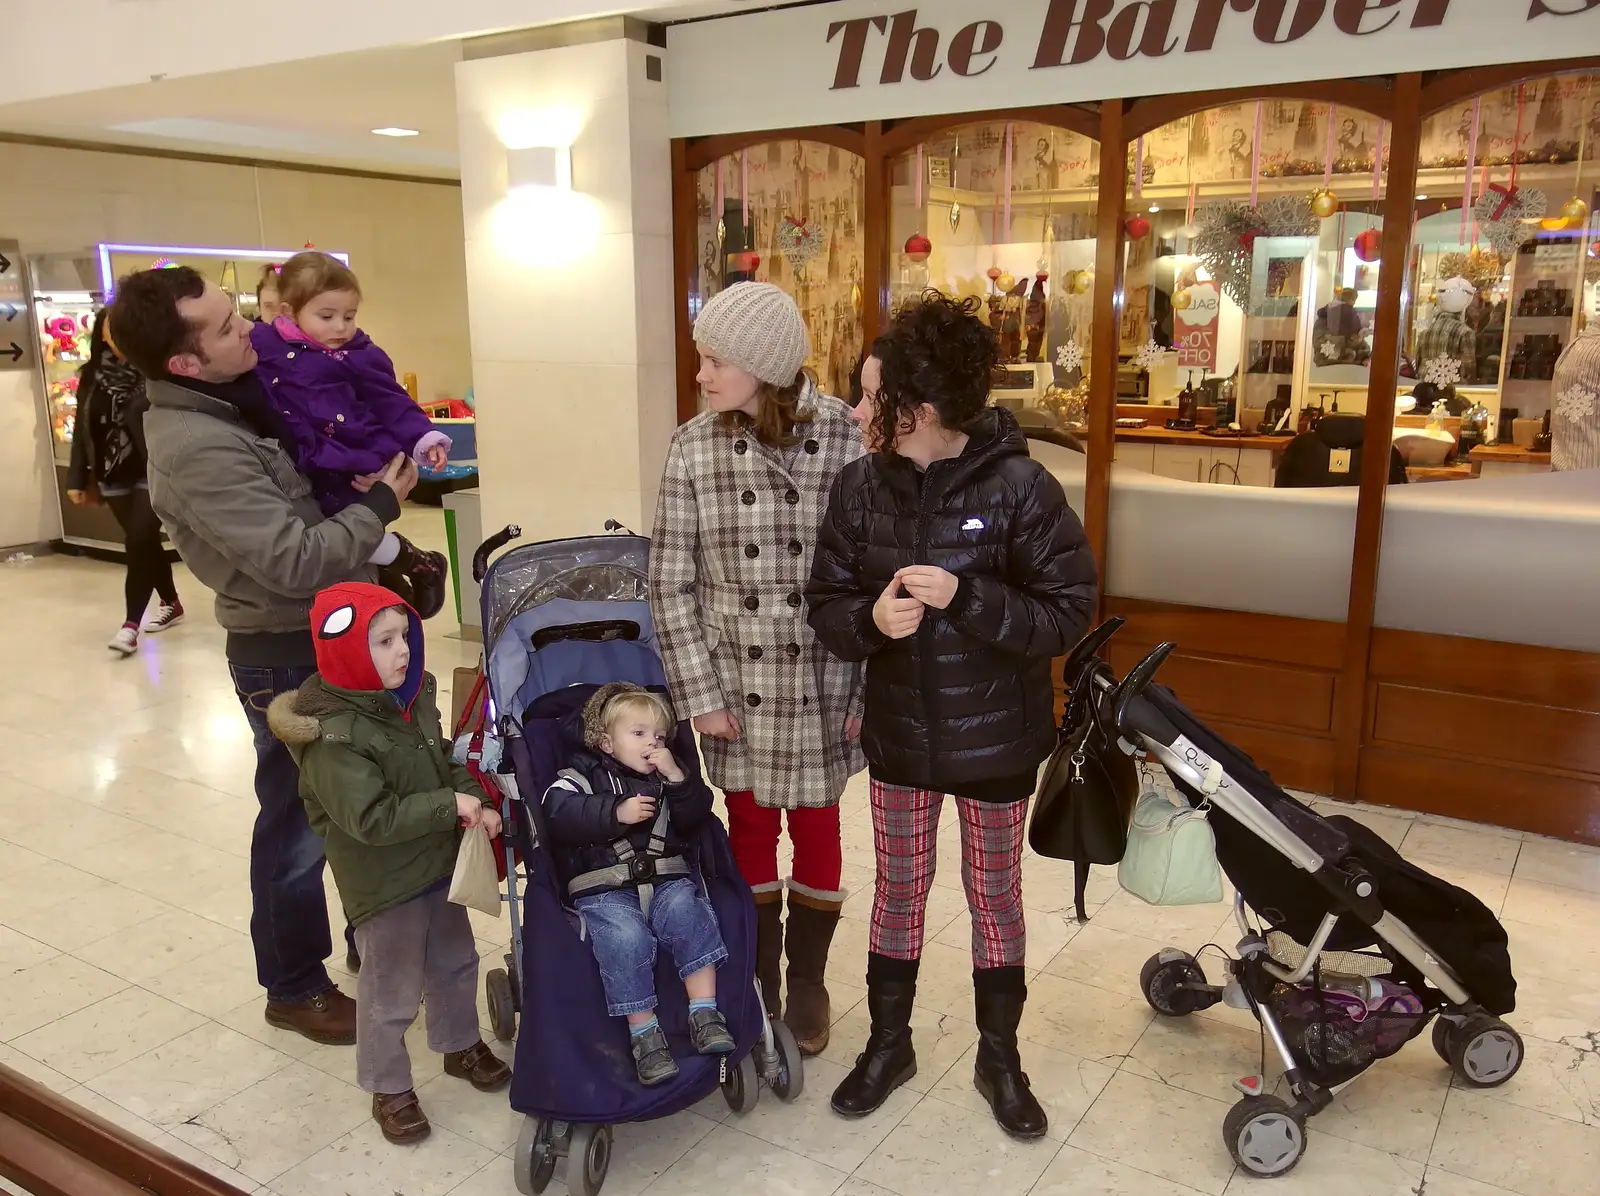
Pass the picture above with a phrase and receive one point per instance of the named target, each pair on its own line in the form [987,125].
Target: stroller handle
[1132,711]
[1089,646]
[480,559]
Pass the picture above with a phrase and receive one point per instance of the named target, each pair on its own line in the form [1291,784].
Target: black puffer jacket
[584,826]
[968,698]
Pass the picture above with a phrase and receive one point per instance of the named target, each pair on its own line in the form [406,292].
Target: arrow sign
[11,310]
[15,352]
[5,263]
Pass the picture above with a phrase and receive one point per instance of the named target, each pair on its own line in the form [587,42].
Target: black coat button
[794,600]
[753,652]
[752,699]
[752,551]
[740,447]
[812,447]
[796,548]
[752,603]
[804,701]
[748,498]
[793,649]
[792,498]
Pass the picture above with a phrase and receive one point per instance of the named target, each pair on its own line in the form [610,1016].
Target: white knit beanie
[757,327]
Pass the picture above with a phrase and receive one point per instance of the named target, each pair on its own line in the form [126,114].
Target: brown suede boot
[812,922]
[769,950]
[479,1066]
[400,1117]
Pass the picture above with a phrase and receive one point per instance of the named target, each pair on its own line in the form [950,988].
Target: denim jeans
[289,909]
[624,940]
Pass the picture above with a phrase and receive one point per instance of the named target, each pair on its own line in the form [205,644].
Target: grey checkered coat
[729,561]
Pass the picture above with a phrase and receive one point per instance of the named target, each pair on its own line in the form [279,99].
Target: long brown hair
[778,418]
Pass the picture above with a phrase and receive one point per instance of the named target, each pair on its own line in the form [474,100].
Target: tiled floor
[126,982]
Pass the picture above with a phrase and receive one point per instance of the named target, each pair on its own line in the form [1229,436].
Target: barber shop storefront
[1280,286]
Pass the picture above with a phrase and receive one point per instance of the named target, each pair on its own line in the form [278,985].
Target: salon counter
[1507,559]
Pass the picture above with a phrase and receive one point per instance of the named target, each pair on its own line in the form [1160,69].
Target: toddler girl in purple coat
[347,414]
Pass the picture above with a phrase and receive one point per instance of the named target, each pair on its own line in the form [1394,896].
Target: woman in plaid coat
[744,492]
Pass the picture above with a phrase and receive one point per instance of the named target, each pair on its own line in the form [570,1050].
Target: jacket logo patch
[972,525]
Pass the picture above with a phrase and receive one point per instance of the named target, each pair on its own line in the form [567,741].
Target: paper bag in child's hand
[476,884]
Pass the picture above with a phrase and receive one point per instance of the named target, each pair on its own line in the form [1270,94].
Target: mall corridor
[126,983]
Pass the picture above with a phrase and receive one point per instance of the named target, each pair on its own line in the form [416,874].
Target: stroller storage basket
[1337,1030]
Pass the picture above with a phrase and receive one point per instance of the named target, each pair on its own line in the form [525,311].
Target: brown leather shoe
[400,1117]
[329,1018]
[480,1066]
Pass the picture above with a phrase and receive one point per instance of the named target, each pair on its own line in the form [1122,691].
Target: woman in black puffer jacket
[951,563]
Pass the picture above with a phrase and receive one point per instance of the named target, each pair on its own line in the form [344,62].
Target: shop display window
[1252,241]
[789,213]
[1004,212]
[1504,267]
[1504,273]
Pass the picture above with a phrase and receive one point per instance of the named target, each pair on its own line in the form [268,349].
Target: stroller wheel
[502,1004]
[1484,1051]
[741,1087]
[790,1081]
[1265,1136]
[1167,981]
[532,1169]
[1441,1038]
[588,1159]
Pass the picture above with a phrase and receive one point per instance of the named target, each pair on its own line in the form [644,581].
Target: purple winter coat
[346,412]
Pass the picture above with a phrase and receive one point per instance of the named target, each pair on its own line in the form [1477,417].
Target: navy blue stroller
[560,619]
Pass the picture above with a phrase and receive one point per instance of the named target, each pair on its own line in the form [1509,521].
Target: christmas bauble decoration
[1083,282]
[918,247]
[1138,227]
[746,261]
[1369,245]
[1005,282]
[1182,300]
[1042,276]
[1553,224]
[993,273]
[1575,210]
[1324,204]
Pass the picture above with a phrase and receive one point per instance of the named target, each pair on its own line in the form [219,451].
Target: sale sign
[1196,333]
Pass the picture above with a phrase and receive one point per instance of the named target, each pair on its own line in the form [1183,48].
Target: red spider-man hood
[341,617]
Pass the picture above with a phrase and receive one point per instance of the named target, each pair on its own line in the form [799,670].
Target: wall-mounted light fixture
[539,166]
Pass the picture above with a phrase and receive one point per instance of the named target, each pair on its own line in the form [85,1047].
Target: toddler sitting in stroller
[617,814]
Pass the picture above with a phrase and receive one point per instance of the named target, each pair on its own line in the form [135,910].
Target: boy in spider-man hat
[381,789]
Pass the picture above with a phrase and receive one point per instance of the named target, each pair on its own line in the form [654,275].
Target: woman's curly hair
[937,352]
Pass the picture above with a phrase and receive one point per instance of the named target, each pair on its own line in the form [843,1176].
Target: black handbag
[1087,792]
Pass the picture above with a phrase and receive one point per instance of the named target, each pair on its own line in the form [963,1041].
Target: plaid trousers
[905,829]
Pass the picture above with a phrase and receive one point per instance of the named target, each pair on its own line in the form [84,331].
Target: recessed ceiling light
[1155,207]
[1422,197]
[395,131]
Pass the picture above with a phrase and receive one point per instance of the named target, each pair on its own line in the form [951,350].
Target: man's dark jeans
[289,915]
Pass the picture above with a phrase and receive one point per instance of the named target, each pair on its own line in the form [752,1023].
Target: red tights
[814,830]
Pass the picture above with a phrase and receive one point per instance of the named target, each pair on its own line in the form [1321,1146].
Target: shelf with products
[65,321]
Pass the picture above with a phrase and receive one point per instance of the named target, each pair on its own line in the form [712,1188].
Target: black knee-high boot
[888,1060]
[999,995]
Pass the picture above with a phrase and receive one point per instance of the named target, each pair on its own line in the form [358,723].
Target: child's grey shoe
[652,1057]
[709,1029]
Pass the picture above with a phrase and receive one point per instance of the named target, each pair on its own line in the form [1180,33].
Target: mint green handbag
[1171,857]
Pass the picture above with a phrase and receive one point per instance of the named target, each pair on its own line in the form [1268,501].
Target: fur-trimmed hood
[296,717]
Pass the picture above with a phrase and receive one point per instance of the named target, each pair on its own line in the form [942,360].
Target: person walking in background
[244,520]
[951,563]
[108,465]
[778,715]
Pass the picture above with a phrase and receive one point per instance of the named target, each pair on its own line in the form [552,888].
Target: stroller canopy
[568,612]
